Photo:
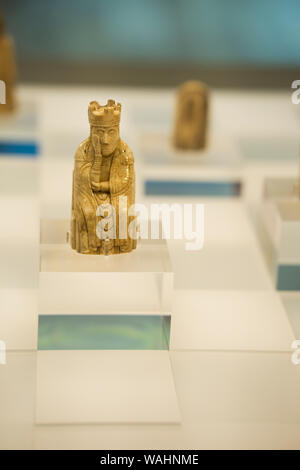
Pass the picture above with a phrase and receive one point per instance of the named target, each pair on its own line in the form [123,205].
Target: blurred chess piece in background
[191,118]
[7,69]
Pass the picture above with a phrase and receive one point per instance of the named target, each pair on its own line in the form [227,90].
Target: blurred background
[227,43]
[232,329]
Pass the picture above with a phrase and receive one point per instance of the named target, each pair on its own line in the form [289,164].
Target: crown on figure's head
[107,115]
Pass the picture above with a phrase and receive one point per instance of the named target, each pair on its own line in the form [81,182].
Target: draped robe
[85,201]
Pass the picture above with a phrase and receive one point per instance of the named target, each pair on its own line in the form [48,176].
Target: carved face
[109,138]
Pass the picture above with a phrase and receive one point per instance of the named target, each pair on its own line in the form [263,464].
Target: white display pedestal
[19,131]
[281,232]
[139,282]
[105,305]
[215,171]
[230,320]
[136,285]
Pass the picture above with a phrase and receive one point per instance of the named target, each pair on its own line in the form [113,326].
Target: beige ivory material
[191,118]
[103,186]
[7,69]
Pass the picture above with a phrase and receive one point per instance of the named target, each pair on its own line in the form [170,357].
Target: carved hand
[96,145]
[102,187]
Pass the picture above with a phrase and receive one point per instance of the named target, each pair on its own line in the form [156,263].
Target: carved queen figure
[103,186]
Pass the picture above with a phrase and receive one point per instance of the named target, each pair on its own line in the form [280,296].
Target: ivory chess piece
[7,69]
[103,186]
[191,118]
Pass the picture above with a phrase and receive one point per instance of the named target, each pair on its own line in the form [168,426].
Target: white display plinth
[19,130]
[214,171]
[281,231]
[230,321]
[140,282]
